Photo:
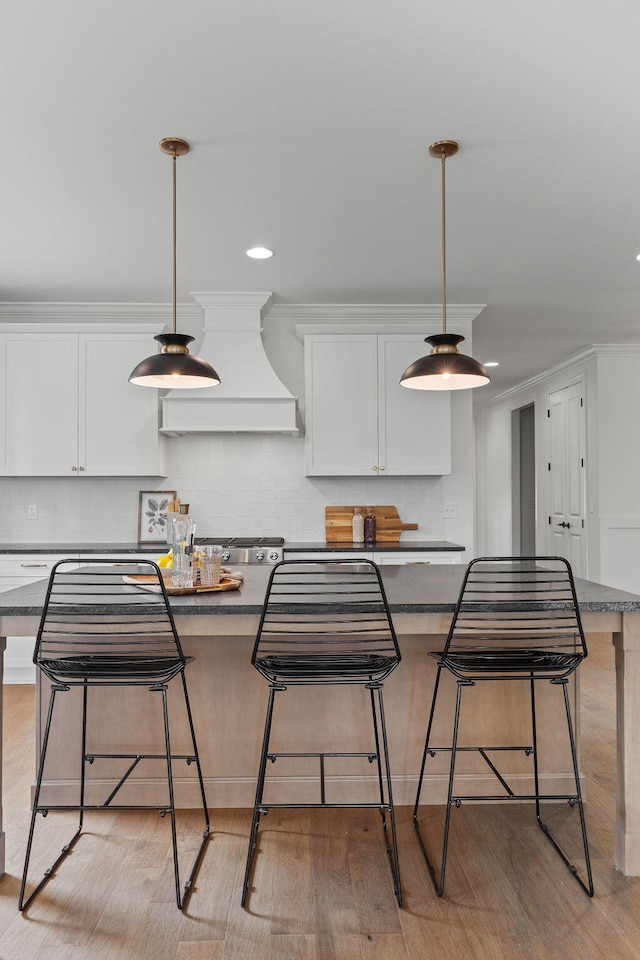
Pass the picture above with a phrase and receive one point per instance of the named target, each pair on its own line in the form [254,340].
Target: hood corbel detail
[251,398]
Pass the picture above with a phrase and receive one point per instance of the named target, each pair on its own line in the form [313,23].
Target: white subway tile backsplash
[236,486]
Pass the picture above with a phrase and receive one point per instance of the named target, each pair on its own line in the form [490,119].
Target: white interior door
[566,476]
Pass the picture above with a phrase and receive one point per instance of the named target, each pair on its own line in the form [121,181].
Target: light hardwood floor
[322,889]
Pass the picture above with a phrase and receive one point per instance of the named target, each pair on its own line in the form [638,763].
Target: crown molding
[241,300]
[74,312]
[373,312]
[565,366]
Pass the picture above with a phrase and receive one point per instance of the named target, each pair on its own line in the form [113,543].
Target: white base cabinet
[18,570]
[359,421]
[67,408]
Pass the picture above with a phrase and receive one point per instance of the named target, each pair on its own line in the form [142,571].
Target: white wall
[611,378]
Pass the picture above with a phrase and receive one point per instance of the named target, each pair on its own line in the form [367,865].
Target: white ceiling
[309,122]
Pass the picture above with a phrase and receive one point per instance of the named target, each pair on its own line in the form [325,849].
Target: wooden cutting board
[150,583]
[388,524]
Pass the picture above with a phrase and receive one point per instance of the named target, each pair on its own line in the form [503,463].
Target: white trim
[73,326]
[540,378]
[375,312]
[27,312]
[240,791]
[240,300]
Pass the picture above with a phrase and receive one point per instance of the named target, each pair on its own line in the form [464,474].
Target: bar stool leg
[392,849]
[197,759]
[255,822]
[574,801]
[439,884]
[22,903]
[426,746]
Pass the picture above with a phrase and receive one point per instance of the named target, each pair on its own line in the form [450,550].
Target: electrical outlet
[32,511]
[450,511]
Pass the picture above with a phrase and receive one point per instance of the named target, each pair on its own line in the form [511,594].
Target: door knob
[563,524]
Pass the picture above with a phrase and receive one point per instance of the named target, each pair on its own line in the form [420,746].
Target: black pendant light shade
[444,368]
[174,368]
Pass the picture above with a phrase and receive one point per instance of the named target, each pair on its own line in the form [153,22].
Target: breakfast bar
[228,699]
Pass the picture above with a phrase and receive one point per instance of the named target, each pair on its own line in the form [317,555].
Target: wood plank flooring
[322,887]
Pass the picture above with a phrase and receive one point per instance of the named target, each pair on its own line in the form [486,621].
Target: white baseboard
[239,792]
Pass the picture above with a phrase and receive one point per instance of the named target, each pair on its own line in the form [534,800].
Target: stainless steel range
[246,549]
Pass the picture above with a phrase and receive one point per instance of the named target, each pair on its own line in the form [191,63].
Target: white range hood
[250,398]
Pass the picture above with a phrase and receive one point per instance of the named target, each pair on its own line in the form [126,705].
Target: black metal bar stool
[516,620]
[99,631]
[327,623]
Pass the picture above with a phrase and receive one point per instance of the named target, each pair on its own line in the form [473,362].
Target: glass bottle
[370,526]
[357,525]
[183,572]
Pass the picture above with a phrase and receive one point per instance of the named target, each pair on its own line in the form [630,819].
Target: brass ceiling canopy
[174,367]
[174,146]
[444,368]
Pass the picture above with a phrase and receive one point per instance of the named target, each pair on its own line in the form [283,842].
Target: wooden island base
[229,700]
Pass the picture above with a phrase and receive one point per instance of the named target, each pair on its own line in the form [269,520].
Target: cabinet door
[414,425]
[39,404]
[341,430]
[118,422]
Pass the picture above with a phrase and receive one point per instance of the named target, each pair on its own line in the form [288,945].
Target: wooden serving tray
[388,524]
[150,583]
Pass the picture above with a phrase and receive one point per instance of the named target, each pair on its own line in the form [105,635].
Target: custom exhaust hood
[250,398]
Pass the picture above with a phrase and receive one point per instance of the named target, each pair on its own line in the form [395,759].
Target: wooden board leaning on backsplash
[388,524]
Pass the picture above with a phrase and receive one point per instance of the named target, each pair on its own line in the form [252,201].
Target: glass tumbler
[210,566]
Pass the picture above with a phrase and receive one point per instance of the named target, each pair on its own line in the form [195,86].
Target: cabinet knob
[74,468]
[382,468]
[81,468]
[374,468]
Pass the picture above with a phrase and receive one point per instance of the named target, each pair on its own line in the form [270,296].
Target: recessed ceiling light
[638,257]
[491,363]
[260,253]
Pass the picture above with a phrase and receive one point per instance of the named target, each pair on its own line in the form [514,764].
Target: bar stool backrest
[518,604]
[137,627]
[330,619]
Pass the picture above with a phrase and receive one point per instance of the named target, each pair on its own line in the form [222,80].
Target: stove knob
[274,555]
[226,555]
[259,554]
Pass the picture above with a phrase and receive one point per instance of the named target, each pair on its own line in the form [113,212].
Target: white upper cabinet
[67,408]
[359,420]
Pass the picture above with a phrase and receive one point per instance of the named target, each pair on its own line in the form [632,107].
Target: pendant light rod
[442,149]
[175,147]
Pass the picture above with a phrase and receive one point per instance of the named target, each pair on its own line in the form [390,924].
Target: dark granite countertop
[87,549]
[310,546]
[396,546]
[410,589]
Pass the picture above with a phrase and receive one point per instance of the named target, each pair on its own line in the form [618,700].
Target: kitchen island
[229,698]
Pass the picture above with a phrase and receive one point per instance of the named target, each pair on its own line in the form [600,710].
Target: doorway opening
[523,481]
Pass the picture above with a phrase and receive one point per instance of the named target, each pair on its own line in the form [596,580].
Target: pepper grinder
[370,526]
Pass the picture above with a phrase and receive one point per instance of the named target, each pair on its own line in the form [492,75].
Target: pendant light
[174,368]
[444,368]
